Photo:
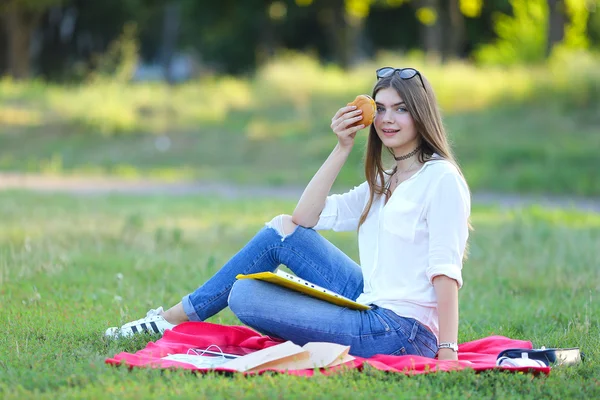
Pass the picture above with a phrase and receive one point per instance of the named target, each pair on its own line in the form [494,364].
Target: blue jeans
[286,314]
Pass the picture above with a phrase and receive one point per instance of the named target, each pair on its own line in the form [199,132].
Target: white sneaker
[153,322]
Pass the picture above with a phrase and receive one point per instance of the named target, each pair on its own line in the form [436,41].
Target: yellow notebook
[290,281]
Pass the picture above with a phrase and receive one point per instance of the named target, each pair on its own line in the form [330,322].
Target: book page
[323,354]
[281,356]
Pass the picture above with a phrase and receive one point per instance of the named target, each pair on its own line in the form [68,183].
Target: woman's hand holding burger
[352,118]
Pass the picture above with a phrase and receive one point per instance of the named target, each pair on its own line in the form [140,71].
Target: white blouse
[420,233]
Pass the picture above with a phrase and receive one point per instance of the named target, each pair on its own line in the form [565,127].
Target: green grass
[519,129]
[72,266]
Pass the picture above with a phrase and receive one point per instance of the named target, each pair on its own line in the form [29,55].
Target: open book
[290,281]
[285,356]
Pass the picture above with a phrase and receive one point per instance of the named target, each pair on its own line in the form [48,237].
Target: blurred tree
[593,26]
[392,27]
[428,13]
[404,25]
[521,36]
[578,12]
[455,29]
[226,33]
[268,41]
[341,27]
[443,27]
[72,36]
[171,25]
[524,36]
[120,59]
[556,24]
[301,30]
[21,18]
[232,36]
[442,24]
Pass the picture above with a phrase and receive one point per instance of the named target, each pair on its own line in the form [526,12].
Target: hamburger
[367,105]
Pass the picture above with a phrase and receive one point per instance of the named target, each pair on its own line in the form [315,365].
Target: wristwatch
[448,345]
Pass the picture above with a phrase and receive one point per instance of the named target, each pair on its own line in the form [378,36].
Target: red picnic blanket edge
[479,355]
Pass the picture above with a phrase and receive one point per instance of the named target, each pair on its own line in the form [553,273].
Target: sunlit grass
[291,81]
[72,266]
[517,129]
[19,117]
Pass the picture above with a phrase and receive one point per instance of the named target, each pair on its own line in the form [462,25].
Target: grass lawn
[72,266]
[534,130]
[511,149]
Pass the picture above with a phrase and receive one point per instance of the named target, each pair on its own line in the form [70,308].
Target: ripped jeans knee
[283,225]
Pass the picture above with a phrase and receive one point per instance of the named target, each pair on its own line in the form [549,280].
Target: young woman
[412,223]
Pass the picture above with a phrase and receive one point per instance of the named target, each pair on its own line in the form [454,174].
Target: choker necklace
[409,155]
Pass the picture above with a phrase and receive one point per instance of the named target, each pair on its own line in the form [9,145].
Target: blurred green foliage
[236,37]
[526,129]
[285,91]
[522,36]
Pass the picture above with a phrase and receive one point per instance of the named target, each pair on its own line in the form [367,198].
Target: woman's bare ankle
[175,315]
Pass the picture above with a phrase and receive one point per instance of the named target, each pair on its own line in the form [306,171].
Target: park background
[142,142]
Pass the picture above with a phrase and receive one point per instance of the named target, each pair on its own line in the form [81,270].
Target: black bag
[550,357]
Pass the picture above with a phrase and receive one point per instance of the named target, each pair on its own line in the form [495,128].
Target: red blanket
[479,354]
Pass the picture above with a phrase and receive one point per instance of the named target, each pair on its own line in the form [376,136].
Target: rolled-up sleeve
[447,220]
[342,211]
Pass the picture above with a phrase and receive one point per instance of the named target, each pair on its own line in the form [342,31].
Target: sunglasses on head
[403,73]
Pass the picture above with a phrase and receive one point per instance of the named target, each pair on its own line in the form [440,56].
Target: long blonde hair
[423,107]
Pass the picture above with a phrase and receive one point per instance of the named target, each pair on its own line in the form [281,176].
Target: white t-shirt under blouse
[420,233]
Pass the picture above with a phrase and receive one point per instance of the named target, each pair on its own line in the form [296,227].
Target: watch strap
[449,345]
